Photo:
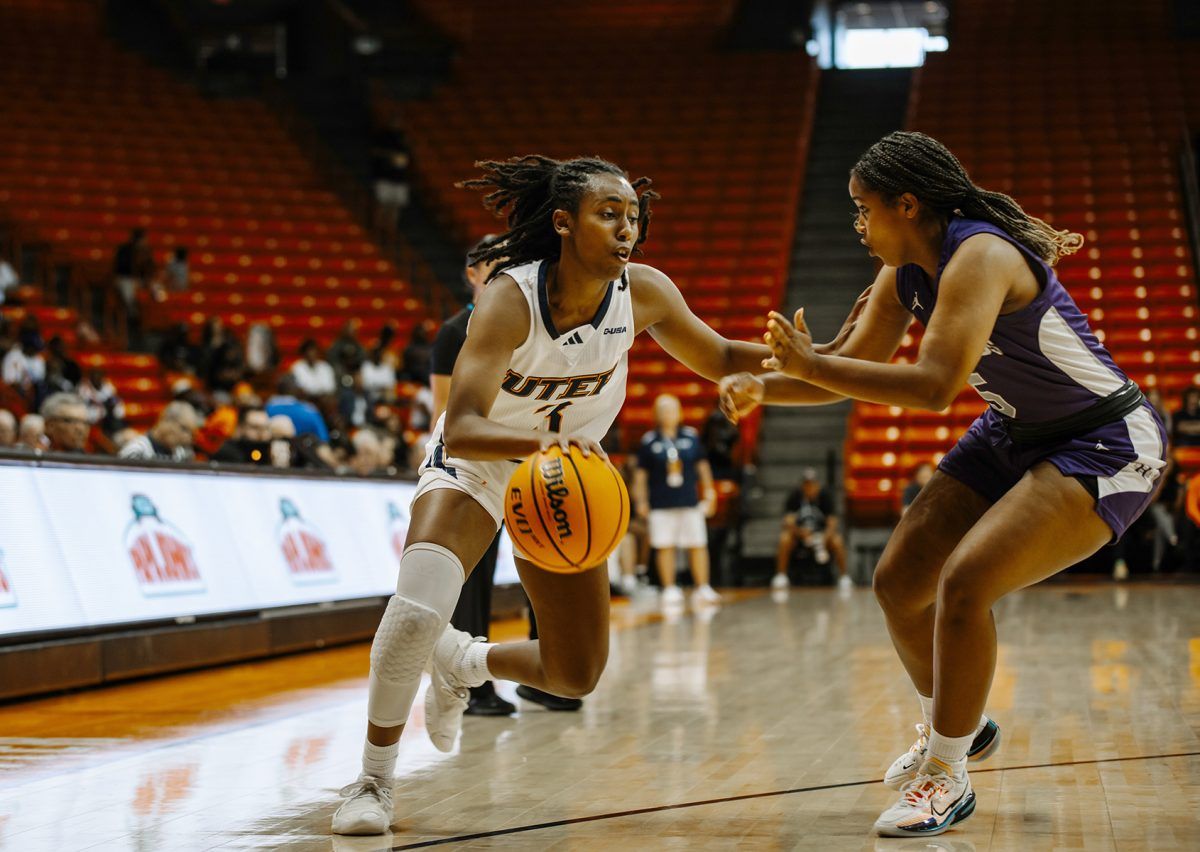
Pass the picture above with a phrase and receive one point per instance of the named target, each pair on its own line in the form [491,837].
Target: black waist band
[1112,408]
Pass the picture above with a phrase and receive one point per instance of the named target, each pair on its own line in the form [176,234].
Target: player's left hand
[791,345]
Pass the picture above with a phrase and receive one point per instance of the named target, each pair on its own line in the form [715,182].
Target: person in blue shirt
[673,474]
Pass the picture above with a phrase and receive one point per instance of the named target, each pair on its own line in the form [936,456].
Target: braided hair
[913,162]
[528,190]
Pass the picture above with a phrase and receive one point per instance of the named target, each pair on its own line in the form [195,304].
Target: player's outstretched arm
[499,324]
[659,307]
[872,332]
[971,294]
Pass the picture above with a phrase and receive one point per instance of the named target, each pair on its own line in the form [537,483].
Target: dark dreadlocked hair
[913,162]
[528,190]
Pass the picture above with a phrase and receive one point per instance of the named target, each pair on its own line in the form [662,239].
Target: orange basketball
[566,513]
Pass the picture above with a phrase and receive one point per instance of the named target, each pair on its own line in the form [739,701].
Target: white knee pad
[427,589]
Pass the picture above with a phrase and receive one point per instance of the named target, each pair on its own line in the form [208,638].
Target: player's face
[605,228]
[885,229]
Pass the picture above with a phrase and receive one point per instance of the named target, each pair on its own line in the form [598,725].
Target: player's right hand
[741,393]
[586,445]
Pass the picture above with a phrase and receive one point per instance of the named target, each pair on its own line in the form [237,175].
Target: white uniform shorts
[484,481]
[678,528]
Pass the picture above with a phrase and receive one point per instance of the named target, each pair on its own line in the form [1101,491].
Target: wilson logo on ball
[566,512]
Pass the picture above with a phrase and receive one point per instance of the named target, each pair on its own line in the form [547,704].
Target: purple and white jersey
[1041,362]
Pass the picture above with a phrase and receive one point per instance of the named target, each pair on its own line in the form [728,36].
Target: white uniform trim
[1063,348]
[1140,475]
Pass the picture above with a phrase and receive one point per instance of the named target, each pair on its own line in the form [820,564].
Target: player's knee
[577,683]
[889,584]
[960,594]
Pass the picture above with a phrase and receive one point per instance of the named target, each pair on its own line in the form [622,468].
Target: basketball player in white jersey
[544,363]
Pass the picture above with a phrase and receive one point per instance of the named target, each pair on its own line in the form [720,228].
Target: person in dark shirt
[673,489]
[1185,423]
[474,609]
[810,521]
[921,475]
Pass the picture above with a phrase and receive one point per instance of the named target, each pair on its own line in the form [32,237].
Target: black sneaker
[485,702]
[550,702]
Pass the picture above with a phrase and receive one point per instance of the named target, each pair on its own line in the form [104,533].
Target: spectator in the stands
[9,281]
[921,475]
[305,417]
[379,374]
[262,352]
[1155,398]
[368,453]
[176,274]
[104,405]
[417,355]
[354,405]
[810,528]
[314,376]
[720,439]
[133,268]
[171,437]
[390,162]
[66,423]
[32,433]
[346,352]
[221,357]
[8,428]
[176,352]
[1186,421]
[24,368]
[251,439]
[62,371]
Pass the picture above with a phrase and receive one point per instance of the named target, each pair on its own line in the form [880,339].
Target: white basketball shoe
[368,810]
[447,697]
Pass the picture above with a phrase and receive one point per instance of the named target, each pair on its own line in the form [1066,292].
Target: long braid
[527,190]
[913,162]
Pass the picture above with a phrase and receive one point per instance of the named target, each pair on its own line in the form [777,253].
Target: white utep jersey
[571,382]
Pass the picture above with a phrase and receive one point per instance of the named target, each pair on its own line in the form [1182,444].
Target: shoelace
[923,788]
[922,739]
[367,785]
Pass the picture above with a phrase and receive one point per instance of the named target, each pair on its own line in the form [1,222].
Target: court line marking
[520,829]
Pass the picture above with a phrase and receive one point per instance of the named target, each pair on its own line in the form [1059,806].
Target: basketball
[566,512]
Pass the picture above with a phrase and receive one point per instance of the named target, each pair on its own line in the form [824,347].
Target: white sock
[952,751]
[472,668]
[983,720]
[926,709]
[379,761]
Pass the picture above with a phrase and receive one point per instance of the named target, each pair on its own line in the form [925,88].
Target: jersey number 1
[554,415]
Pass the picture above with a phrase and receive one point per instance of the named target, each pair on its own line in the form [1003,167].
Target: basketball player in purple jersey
[1066,456]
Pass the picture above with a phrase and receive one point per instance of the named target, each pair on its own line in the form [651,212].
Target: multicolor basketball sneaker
[929,804]
[904,768]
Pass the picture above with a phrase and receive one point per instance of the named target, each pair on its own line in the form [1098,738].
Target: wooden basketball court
[765,725]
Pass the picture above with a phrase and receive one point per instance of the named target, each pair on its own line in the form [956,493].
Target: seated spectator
[346,353]
[171,437]
[353,402]
[221,364]
[176,352]
[921,475]
[24,368]
[368,456]
[262,352]
[9,281]
[62,371]
[176,275]
[104,406]
[810,522]
[379,375]
[123,436]
[8,429]
[251,441]
[31,435]
[305,417]
[314,376]
[66,423]
[1186,421]
[417,355]
[133,269]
